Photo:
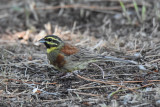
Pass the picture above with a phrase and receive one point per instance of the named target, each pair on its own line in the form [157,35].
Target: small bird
[66,57]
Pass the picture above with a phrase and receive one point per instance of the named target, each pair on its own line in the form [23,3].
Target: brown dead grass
[28,80]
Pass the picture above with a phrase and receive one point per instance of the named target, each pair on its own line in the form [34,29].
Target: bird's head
[52,42]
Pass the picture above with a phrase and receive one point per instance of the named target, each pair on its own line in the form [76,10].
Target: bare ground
[26,78]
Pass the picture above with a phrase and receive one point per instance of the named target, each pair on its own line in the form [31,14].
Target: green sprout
[125,11]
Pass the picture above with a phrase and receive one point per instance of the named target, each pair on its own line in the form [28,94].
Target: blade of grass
[137,10]
[125,11]
[143,13]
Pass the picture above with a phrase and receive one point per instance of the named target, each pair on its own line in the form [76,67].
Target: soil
[128,36]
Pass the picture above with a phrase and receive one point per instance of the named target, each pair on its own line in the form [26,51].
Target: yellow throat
[51,49]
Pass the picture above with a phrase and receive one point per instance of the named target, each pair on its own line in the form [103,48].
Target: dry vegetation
[120,28]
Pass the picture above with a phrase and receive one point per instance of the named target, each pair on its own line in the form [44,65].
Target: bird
[66,57]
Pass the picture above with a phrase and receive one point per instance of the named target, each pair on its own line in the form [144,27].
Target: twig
[61,100]
[31,82]
[84,7]
[110,95]
[150,56]
[143,86]
[9,52]
[20,63]
[100,69]
[82,88]
[88,79]
[134,81]
[12,95]
[156,60]
[87,94]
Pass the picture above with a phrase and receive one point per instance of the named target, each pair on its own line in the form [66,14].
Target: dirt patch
[102,27]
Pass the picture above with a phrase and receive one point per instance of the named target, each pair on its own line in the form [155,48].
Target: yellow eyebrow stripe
[53,39]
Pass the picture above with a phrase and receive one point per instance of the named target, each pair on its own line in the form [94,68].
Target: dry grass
[26,78]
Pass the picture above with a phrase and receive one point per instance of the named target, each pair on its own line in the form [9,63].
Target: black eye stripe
[52,40]
[49,39]
[53,45]
[55,41]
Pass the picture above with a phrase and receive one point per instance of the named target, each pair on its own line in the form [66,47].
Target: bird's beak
[42,40]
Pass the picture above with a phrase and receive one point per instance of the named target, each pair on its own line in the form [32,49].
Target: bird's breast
[56,59]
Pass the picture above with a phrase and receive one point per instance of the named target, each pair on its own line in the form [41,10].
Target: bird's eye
[49,39]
